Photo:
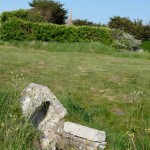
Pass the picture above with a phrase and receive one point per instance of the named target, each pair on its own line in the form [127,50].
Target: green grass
[99,88]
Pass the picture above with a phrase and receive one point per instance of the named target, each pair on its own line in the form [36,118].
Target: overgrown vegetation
[16,132]
[92,47]
[108,92]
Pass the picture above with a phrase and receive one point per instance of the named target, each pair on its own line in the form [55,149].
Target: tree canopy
[80,22]
[52,12]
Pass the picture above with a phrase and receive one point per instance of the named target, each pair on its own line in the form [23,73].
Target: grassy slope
[96,89]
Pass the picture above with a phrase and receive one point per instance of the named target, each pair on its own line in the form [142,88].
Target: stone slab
[84,132]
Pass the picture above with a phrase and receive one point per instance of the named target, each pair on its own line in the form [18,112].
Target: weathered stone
[47,113]
[77,137]
[41,105]
[47,143]
[72,142]
[84,132]
[33,96]
[44,111]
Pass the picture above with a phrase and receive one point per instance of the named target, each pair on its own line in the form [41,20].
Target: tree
[146,33]
[124,24]
[80,22]
[85,22]
[132,27]
[52,12]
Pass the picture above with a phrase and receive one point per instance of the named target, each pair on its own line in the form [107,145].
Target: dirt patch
[41,62]
[115,79]
[105,93]
[118,111]
[26,70]
[82,69]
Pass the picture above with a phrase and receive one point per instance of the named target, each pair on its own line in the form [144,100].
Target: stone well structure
[46,112]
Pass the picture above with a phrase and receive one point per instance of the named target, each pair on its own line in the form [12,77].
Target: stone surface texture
[81,137]
[32,97]
[81,131]
[46,112]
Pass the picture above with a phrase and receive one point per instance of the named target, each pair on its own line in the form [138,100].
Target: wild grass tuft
[15,130]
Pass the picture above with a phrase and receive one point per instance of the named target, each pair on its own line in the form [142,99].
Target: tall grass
[135,134]
[91,47]
[15,130]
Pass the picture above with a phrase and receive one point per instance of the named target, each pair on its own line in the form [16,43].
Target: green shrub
[146,45]
[27,15]
[124,40]
[17,29]
[21,13]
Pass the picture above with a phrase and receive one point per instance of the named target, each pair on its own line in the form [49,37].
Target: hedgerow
[18,29]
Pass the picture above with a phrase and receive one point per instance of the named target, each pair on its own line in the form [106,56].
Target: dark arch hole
[39,114]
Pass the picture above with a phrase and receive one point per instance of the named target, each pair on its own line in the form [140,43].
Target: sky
[98,11]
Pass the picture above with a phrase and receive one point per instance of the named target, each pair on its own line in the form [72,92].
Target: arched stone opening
[40,113]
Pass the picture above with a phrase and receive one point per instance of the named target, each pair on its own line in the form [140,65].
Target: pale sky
[93,10]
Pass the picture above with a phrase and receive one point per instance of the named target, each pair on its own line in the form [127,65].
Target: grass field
[100,87]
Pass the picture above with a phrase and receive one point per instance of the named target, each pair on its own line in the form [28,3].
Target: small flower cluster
[7,127]
[131,135]
[147,130]
[2,125]
[134,97]
[17,76]
[17,79]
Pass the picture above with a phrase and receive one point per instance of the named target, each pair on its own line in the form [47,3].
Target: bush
[146,45]
[21,13]
[27,15]
[17,29]
[124,40]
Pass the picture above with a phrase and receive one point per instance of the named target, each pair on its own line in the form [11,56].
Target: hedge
[18,29]
[21,13]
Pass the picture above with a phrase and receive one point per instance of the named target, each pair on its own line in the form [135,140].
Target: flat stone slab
[84,132]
